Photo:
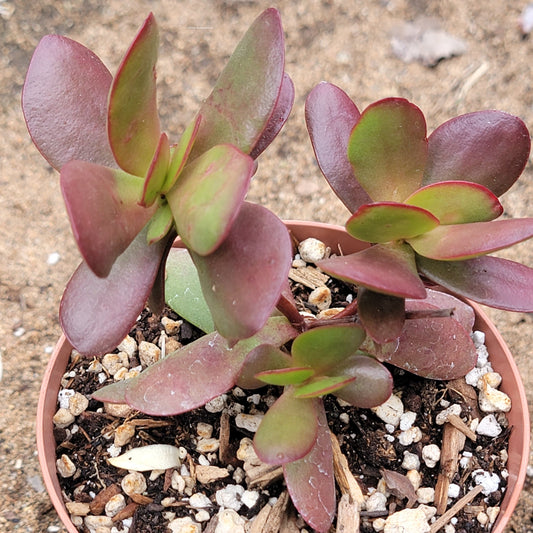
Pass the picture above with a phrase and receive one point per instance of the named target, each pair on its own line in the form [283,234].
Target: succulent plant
[425,206]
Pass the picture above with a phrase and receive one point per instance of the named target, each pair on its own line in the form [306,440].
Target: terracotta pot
[501,359]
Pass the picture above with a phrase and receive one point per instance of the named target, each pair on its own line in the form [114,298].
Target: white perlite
[489,482]
[489,426]
[230,497]
[184,525]
[411,520]
[431,455]
[230,522]
[390,411]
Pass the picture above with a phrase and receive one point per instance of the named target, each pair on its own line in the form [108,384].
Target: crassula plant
[425,206]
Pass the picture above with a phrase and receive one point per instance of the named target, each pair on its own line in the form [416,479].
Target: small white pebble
[442,417]
[413,434]
[133,483]
[411,461]
[230,497]
[177,482]
[492,400]
[431,455]
[378,524]
[184,524]
[407,420]
[207,445]
[200,501]
[65,467]
[489,426]
[128,345]
[248,422]
[489,482]
[149,353]
[229,522]
[344,418]
[482,518]
[425,495]
[172,327]
[77,404]
[320,297]
[115,504]
[492,513]
[53,258]
[415,477]
[64,396]
[453,490]
[202,516]
[216,405]
[249,498]
[204,430]
[377,501]
[63,418]
[478,338]
[312,250]
[390,411]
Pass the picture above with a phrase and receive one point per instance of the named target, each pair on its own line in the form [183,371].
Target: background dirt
[347,43]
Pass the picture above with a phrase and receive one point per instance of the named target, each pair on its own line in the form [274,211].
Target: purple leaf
[288,430]
[457,202]
[311,481]
[208,195]
[491,281]
[372,385]
[157,172]
[382,315]
[278,118]
[97,313]
[242,280]
[133,122]
[388,149]
[382,222]
[400,486]
[331,116]
[486,147]
[246,95]
[465,241]
[264,357]
[385,268]
[435,348]
[64,100]
[105,216]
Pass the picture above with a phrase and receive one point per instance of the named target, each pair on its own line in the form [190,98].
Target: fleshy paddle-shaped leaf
[321,386]
[388,149]
[105,216]
[311,480]
[243,278]
[331,116]
[385,268]
[486,147]
[208,195]
[491,281]
[264,357]
[285,376]
[156,173]
[64,100]
[97,313]
[387,221]
[133,122]
[372,385]
[245,96]
[465,241]
[288,430]
[160,224]
[457,202]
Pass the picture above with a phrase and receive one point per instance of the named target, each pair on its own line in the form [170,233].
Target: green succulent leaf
[486,147]
[156,173]
[243,279]
[371,385]
[385,268]
[133,121]
[321,386]
[457,202]
[322,348]
[388,149]
[261,358]
[160,223]
[285,376]
[245,96]
[183,291]
[64,101]
[179,154]
[288,431]
[206,199]
[102,204]
[382,315]
[491,281]
[387,221]
[465,241]
[311,479]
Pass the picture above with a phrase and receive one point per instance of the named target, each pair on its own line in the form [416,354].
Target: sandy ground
[347,43]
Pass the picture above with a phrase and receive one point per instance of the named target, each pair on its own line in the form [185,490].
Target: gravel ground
[347,43]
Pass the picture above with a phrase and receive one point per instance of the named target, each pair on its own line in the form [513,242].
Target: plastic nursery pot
[335,237]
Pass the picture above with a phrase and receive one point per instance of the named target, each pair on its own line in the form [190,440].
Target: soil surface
[347,43]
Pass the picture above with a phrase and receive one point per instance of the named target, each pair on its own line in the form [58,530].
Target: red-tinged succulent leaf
[388,221]
[382,315]
[323,348]
[133,122]
[372,385]
[311,480]
[113,393]
[321,386]
[278,118]
[245,95]
[243,278]
[331,116]
[288,430]
[102,204]
[183,292]
[97,313]
[180,154]
[385,268]
[388,149]
[400,485]
[457,202]
[64,100]
[160,224]
[156,173]
[491,281]
[464,241]
[264,357]
[208,195]
[434,348]
[486,147]
[285,376]
[287,306]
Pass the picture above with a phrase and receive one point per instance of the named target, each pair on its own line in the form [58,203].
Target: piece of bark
[452,511]
[261,476]
[276,514]
[346,480]
[98,504]
[309,277]
[347,515]
[458,423]
[453,441]
[208,474]
[212,525]
[224,453]
[127,512]
[261,520]
[141,499]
